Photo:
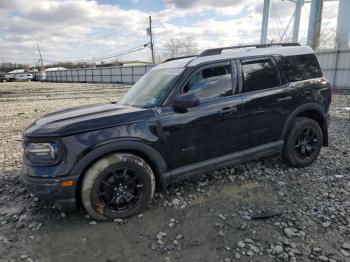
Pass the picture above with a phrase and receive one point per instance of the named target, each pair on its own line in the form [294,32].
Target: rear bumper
[51,189]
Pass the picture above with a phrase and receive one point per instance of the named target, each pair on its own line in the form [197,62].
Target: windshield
[150,88]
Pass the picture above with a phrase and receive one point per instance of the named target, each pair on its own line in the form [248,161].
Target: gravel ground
[257,211]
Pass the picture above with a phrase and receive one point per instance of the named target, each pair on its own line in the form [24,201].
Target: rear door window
[259,74]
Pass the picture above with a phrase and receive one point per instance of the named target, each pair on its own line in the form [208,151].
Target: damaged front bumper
[61,191]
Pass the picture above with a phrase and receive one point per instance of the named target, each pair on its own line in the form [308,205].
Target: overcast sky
[79,29]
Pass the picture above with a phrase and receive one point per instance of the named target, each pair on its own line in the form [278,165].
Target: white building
[55,68]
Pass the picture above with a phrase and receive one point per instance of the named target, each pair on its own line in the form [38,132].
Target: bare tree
[181,47]
[327,39]
[8,66]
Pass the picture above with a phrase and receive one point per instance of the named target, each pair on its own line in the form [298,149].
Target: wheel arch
[310,110]
[136,147]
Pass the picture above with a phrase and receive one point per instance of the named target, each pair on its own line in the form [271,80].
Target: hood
[85,118]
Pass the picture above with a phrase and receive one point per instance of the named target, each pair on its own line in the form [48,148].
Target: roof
[238,52]
[251,52]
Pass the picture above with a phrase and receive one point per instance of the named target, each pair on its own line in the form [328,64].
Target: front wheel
[117,186]
[303,143]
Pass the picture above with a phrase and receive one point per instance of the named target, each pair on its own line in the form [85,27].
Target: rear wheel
[303,143]
[117,186]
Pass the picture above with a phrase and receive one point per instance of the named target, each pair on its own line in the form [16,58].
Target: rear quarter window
[299,67]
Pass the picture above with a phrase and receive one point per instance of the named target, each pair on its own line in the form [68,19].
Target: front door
[210,130]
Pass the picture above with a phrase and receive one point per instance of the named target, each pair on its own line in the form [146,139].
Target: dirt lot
[214,217]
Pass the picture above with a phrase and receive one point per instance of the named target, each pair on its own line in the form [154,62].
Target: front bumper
[51,189]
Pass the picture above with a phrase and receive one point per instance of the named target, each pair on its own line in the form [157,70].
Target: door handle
[284,99]
[228,110]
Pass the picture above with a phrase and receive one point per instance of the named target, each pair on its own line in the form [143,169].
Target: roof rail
[179,57]
[218,51]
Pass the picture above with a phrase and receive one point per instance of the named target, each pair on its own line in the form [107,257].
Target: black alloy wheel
[306,143]
[119,189]
[117,186]
[303,142]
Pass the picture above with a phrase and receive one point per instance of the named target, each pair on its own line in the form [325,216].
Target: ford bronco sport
[187,115]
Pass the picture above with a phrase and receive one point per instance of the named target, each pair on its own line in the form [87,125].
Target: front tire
[303,143]
[117,186]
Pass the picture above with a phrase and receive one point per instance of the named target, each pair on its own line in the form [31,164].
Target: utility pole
[314,32]
[298,6]
[151,37]
[41,59]
[265,22]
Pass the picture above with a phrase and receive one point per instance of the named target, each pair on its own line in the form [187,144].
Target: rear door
[211,129]
[267,99]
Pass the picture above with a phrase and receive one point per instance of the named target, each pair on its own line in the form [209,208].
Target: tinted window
[300,67]
[258,75]
[210,82]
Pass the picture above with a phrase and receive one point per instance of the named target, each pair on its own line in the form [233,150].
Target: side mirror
[184,101]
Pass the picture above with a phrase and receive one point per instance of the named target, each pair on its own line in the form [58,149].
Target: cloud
[207,3]
[60,25]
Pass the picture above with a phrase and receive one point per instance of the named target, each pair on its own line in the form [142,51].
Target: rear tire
[119,185]
[303,143]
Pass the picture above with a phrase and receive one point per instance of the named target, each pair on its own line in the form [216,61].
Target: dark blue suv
[186,116]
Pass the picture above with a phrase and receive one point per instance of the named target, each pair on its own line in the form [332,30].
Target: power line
[106,50]
[75,58]
[86,41]
[131,50]
[277,20]
[26,59]
[289,23]
[128,51]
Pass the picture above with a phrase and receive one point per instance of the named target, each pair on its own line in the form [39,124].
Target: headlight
[41,152]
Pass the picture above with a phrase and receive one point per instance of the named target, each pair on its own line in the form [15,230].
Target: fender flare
[136,145]
[305,107]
